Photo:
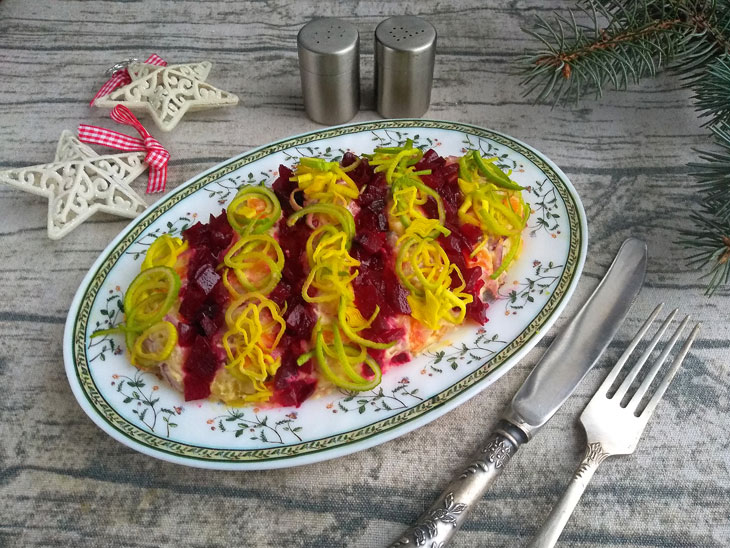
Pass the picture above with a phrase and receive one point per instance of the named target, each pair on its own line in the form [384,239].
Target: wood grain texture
[63,482]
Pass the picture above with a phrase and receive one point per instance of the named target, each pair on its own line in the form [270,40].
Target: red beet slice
[396,294]
[472,233]
[382,221]
[456,248]
[307,368]
[196,235]
[399,359]
[185,334]
[209,325]
[371,241]
[199,369]
[348,159]
[452,199]
[371,264]
[366,221]
[362,174]
[477,311]
[220,234]
[193,299]
[377,355]
[199,257]
[430,208]
[220,296]
[281,293]
[287,370]
[292,383]
[450,173]
[431,160]
[293,241]
[213,237]
[296,392]
[473,280]
[366,296]
[375,195]
[283,188]
[206,278]
[300,320]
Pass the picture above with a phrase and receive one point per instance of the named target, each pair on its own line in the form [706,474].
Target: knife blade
[571,355]
[578,346]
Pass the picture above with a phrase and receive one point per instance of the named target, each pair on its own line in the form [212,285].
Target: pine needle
[614,43]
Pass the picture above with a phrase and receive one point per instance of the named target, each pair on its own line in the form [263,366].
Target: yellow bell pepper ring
[164,251]
[354,337]
[254,210]
[346,383]
[154,345]
[337,213]
[150,296]
[349,361]
[256,261]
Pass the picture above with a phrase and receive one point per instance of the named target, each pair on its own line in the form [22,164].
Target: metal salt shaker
[405,50]
[329,64]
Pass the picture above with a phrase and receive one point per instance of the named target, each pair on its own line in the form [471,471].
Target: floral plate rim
[351,441]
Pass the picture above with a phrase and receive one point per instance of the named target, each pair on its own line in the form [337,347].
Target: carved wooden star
[80,182]
[167,93]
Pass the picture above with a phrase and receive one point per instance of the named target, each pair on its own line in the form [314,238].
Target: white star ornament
[80,182]
[167,93]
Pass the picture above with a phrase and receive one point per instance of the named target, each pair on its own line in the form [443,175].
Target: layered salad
[339,272]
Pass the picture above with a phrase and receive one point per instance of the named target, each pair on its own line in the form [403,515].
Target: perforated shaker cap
[405,52]
[328,46]
[406,41]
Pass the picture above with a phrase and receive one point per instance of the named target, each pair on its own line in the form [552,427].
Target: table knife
[570,356]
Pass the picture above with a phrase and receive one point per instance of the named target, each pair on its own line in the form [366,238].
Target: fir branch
[622,44]
[713,174]
[711,245]
[710,240]
[712,92]
[629,39]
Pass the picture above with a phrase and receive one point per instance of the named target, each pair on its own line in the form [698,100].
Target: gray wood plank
[64,482]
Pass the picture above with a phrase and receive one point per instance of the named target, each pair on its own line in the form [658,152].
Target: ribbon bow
[157,157]
[121,77]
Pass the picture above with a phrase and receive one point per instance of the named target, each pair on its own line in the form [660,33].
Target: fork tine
[649,409]
[603,389]
[621,392]
[644,386]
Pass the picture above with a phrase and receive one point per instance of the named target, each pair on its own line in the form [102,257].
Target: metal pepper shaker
[329,64]
[405,51]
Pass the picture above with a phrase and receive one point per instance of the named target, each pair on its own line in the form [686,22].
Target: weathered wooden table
[63,482]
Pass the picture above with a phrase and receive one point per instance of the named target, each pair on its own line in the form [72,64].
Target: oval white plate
[141,411]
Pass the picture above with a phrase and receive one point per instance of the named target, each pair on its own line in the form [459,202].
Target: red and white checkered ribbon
[122,78]
[157,157]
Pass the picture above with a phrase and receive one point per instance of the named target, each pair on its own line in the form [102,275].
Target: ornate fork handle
[561,512]
[436,526]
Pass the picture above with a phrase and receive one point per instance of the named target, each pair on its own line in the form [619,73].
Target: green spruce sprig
[712,92]
[623,41]
[710,247]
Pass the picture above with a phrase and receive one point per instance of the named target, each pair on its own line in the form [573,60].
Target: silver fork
[612,428]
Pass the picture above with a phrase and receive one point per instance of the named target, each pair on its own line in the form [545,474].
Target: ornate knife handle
[436,526]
